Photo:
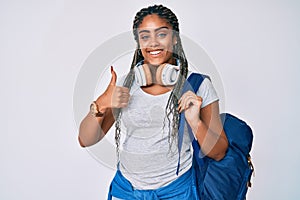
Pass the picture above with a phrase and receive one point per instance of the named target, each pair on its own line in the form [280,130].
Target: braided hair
[178,53]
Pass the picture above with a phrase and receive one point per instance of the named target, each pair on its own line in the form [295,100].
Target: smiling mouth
[156,52]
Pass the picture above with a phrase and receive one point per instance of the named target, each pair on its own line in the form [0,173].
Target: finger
[195,102]
[113,79]
[121,103]
[121,96]
[189,94]
[124,98]
[185,98]
[124,89]
[191,102]
[181,102]
[121,91]
[187,101]
[200,99]
[186,94]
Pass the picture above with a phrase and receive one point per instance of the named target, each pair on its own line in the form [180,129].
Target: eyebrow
[155,30]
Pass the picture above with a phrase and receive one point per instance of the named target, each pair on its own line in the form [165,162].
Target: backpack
[229,178]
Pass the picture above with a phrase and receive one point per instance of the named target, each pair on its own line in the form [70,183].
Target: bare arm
[93,129]
[206,125]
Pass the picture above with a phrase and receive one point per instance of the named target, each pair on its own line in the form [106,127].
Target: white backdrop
[43,45]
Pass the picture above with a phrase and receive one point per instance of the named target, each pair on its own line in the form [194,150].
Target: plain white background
[43,45]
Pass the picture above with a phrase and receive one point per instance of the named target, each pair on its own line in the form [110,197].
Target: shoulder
[206,83]
[205,76]
[206,90]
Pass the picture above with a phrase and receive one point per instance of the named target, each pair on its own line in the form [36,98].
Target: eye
[162,35]
[144,37]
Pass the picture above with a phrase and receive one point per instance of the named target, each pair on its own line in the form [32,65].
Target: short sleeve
[207,92]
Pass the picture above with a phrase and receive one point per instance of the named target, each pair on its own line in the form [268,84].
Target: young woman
[148,104]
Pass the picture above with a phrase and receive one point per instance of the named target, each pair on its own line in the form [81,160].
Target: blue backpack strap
[192,84]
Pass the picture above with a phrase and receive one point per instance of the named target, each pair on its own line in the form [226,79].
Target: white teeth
[154,52]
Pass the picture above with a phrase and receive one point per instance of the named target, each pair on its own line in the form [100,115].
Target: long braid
[178,53]
[127,83]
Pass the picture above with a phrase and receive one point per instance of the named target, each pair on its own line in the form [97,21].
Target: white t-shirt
[146,159]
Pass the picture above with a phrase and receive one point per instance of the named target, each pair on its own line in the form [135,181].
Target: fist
[114,96]
[190,104]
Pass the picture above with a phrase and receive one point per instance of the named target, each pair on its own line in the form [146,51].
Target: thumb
[113,79]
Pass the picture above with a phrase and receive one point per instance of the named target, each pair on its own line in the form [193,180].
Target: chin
[157,62]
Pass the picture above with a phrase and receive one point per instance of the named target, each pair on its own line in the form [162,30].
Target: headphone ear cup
[143,75]
[167,74]
[148,74]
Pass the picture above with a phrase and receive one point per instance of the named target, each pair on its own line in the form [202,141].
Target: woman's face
[155,36]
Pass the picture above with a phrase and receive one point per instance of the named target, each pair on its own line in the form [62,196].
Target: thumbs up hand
[114,96]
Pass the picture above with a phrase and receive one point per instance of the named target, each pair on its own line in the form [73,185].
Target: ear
[174,40]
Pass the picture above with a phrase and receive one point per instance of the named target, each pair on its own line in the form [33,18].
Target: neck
[153,69]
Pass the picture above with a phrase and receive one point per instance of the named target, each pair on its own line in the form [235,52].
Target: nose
[153,42]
